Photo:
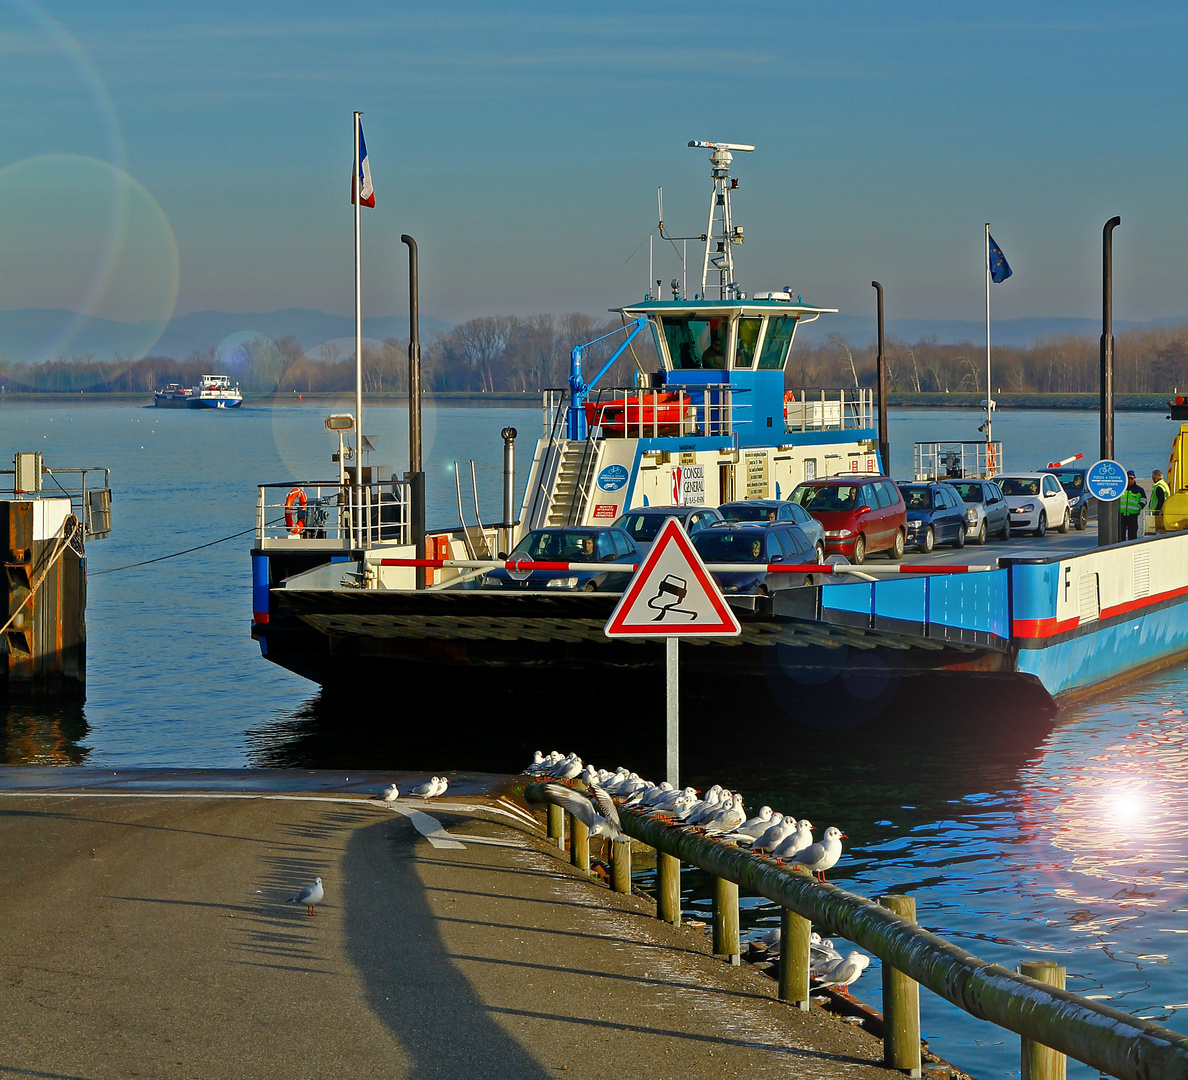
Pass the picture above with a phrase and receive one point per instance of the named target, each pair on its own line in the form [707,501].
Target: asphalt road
[146,934]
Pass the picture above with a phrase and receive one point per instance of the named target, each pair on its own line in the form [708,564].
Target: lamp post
[881,368]
[416,475]
[1108,526]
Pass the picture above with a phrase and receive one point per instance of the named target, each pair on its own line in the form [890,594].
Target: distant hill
[860,329]
[27,334]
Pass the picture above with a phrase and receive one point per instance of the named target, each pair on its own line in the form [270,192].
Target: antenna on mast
[722,154]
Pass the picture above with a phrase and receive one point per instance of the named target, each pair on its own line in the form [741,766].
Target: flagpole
[358,200]
[989,434]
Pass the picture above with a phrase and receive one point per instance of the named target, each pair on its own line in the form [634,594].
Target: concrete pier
[146,933]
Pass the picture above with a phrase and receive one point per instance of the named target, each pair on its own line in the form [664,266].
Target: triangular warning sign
[672,594]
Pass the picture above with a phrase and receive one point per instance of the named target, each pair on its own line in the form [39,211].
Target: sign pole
[672,748]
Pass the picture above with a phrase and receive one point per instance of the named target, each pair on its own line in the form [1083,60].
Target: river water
[1019,838]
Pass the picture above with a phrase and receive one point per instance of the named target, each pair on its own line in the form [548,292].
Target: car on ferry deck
[935,515]
[760,543]
[860,515]
[572,545]
[643,524]
[1080,503]
[777,510]
[986,511]
[1035,500]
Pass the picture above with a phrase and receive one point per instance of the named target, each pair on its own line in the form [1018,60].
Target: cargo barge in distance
[338,604]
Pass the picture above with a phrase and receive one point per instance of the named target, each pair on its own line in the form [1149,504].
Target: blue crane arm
[579,389]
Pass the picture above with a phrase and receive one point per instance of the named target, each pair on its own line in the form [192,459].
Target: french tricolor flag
[362,180]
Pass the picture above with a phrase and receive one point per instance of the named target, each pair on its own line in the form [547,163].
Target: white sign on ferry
[688,485]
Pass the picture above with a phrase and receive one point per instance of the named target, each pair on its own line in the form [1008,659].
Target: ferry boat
[216,392]
[336,602]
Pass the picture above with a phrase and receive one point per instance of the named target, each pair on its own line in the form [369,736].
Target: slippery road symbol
[671,591]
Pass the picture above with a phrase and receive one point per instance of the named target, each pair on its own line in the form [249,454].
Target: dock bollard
[726,920]
[579,844]
[621,866]
[668,888]
[901,1003]
[795,935]
[557,825]
[1039,1062]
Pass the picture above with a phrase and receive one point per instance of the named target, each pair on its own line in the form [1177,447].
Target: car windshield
[1019,485]
[916,498]
[971,493]
[565,545]
[645,526]
[1072,482]
[720,545]
[826,497]
[749,513]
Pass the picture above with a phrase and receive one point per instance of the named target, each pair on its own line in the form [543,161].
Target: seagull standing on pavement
[310,896]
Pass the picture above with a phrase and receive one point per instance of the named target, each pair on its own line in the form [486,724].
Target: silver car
[643,524]
[986,512]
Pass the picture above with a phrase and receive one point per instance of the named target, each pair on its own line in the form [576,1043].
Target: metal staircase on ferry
[571,486]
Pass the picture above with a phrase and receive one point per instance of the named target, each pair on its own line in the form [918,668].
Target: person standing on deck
[1134,498]
[1159,493]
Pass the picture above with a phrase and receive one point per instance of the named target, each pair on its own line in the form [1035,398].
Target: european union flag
[1000,269]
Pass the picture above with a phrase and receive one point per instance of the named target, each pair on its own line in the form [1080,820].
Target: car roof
[575,528]
[753,502]
[670,510]
[1023,475]
[849,478]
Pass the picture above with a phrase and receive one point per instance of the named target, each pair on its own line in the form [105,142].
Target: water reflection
[37,731]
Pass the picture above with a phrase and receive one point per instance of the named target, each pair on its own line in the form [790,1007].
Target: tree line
[502,353]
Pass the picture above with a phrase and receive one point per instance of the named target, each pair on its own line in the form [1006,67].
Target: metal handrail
[328,515]
[1104,1038]
[827,408]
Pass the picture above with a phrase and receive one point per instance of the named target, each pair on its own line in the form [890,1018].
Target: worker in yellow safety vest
[1134,498]
[1159,493]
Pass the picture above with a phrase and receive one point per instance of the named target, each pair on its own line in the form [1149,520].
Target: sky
[166,159]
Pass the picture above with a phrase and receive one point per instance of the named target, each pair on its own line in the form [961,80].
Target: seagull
[841,973]
[796,842]
[431,788]
[821,856]
[538,760]
[781,827]
[730,818]
[309,896]
[442,784]
[821,952]
[390,794]
[601,822]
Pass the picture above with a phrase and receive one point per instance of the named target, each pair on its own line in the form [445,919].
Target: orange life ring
[991,459]
[295,522]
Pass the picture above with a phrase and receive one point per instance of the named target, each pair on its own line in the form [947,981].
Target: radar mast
[729,234]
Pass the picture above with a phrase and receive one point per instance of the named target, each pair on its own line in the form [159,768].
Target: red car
[860,514]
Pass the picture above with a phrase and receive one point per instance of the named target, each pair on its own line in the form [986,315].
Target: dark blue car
[573,545]
[935,515]
[758,543]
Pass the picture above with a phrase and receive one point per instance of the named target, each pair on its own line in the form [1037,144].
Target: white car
[1036,501]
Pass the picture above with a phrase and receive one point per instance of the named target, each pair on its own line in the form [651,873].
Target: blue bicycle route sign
[1106,480]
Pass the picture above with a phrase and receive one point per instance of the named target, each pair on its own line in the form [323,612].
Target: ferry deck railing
[90,497]
[635,412]
[829,408]
[1114,1042]
[957,460]
[325,513]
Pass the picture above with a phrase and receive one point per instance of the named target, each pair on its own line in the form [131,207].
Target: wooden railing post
[621,866]
[1039,1062]
[579,844]
[556,824]
[795,936]
[901,1003]
[668,888]
[726,920]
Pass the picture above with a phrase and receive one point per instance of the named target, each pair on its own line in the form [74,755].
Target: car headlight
[971,516]
[562,583]
[1026,508]
[840,534]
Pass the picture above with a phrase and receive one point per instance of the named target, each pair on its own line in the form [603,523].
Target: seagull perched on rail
[596,811]
[310,896]
[821,856]
[795,842]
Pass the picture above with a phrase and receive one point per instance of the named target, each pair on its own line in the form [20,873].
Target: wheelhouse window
[748,340]
[776,342]
[696,341]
